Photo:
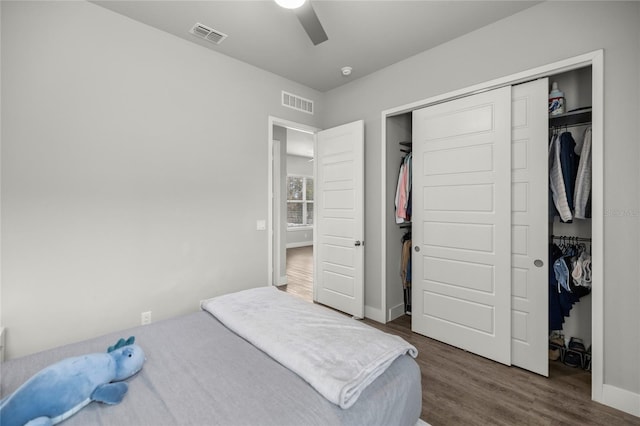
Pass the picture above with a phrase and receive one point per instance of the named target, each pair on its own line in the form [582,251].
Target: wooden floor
[300,272]
[460,388]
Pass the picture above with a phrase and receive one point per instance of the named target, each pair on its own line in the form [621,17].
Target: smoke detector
[346,71]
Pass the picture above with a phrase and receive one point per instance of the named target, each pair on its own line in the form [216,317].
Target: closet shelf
[579,116]
[406,146]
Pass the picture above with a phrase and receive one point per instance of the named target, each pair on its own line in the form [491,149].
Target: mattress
[198,372]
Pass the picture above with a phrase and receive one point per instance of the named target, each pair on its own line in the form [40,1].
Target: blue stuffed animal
[64,388]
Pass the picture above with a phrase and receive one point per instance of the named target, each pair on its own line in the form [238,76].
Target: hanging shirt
[401,195]
[408,177]
[403,191]
[557,181]
[569,165]
[583,178]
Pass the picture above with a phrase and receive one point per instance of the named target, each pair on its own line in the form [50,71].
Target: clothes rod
[567,126]
[570,238]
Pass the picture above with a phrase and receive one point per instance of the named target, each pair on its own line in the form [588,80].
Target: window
[299,201]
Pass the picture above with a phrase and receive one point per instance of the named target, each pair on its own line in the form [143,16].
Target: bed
[200,372]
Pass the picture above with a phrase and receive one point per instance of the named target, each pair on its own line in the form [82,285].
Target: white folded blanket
[337,355]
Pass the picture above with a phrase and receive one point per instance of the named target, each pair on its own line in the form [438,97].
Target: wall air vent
[208,33]
[296,102]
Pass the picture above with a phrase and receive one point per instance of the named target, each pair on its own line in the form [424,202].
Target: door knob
[358,243]
[538,263]
[417,248]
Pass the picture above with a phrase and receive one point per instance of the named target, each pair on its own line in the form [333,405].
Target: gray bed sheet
[198,372]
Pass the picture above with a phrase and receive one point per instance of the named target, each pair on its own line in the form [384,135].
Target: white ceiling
[366,35]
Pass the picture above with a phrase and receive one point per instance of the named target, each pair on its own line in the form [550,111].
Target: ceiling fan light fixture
[290,4]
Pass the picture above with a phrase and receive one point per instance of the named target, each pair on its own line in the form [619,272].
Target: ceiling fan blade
[311,24]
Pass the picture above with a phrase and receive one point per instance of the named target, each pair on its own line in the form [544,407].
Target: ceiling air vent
[296,102]
[208,33]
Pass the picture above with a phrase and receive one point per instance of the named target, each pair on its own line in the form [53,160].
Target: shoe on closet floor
[573,358]
[557,339]
[576,344]
[556,346]
[575,353]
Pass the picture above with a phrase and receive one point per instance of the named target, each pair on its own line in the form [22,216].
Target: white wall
[299,166]
[299,237]
[520,42]
[134,168]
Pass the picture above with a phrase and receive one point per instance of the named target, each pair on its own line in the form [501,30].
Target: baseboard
[282,280]
[396,312]
[300,244]
[374,314]
[621,399]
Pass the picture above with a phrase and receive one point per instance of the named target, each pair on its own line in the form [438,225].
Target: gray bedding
[198,372]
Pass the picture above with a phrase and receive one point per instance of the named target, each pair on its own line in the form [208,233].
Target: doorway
[291,211]
[298,213]
[337,213]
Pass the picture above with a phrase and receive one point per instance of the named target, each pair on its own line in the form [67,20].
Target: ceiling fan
[307,17]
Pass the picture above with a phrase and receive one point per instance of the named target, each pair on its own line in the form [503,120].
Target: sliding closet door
[529,224]
[461,265]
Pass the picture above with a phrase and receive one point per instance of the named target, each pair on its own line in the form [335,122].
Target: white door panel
[529,218]
[339,218]
[462,225]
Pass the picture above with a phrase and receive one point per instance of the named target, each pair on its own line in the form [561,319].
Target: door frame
[594,59]
[272,257]
[276,148]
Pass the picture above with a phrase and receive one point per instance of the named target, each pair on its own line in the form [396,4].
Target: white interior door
[339,219]
[529,224]
[461,266]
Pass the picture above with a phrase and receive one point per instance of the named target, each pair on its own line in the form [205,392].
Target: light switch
[261,225]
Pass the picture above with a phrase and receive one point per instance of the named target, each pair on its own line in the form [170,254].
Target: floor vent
[296,102]
[208,33]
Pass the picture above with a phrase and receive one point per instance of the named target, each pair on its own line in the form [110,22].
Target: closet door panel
[473,316]
[459,236]
[529,218]
[466,275]
[461,223]
[459,160]
[469,198]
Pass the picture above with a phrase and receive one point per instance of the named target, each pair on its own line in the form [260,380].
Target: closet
[573,237]
[397,295]
[403,206]
[481,224]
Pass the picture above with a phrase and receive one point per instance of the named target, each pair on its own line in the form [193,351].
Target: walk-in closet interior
[454,263]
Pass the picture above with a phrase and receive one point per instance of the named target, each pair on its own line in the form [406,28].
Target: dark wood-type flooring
[460,388]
